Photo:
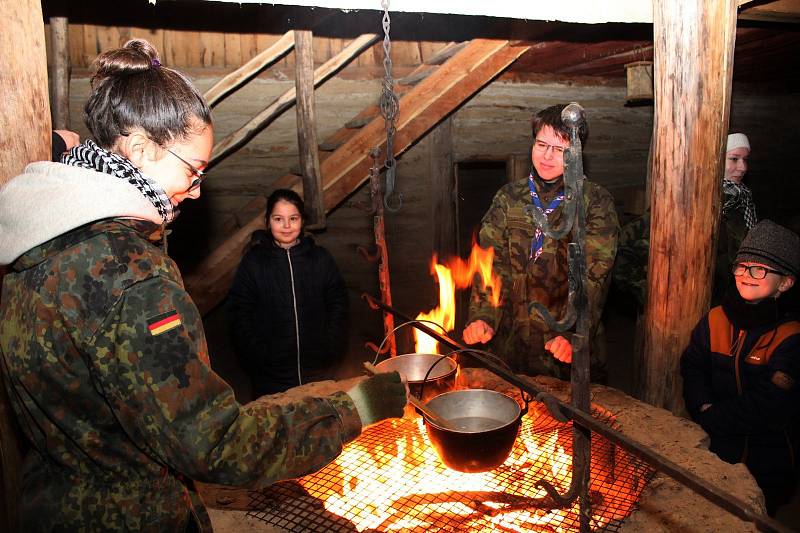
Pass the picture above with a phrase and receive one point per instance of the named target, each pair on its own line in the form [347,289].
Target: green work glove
[378,397]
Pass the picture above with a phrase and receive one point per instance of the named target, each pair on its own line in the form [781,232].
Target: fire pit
[391,480]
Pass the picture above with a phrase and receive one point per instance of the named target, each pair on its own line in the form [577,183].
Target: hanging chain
[390,108]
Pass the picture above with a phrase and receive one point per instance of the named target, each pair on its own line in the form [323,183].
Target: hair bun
[136,56]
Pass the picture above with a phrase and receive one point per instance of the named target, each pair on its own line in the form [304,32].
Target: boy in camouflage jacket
[538,273]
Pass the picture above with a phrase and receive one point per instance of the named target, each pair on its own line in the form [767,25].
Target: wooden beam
[443,186]
[421,108]
[25,121]
[307,130]
[249,70]
[59,72]
[240,137]
[786,11]
[694,43]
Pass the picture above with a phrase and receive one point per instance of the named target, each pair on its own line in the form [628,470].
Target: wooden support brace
[240,137]
[236,79]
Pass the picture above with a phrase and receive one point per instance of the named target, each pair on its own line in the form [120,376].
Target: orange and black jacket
[750,379]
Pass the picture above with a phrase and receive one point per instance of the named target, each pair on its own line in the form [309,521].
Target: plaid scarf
[738,196]
[90,155]
[538,236]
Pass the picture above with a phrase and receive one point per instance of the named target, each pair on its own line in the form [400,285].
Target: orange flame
[457,274]
[381,483]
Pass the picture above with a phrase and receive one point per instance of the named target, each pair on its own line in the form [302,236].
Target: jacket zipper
[739,345]
[296,321]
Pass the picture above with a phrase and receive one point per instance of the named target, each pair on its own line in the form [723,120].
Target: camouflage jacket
[107,368]
[630,268]
[520,335]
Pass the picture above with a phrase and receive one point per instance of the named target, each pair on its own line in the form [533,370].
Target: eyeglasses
[755,271]
[542,147]
[198,174]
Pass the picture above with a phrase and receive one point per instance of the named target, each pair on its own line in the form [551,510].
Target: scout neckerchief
[737,196]
[538,236]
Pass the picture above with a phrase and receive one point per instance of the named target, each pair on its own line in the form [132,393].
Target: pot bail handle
[419,321]
[527,398]
[428,373]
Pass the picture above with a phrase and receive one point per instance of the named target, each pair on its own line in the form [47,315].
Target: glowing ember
[390,479]
[457,274]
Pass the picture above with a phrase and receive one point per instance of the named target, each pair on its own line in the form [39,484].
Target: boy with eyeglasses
[534,268]
[742,364]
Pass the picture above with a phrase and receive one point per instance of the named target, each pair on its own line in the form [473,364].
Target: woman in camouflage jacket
[103,351]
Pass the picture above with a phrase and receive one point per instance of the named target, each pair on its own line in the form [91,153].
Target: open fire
[457,274]
[390,479]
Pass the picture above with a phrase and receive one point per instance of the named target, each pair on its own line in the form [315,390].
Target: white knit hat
[737,140]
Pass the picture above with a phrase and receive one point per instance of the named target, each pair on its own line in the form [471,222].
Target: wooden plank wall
[208,49]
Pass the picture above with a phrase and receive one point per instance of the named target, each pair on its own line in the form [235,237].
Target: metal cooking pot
[414,366]
[486,425]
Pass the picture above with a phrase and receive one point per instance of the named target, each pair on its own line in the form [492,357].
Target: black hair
[551,116]
[287,195]
[131,89]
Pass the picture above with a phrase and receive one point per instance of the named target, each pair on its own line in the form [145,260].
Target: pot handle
[378,352]
[428,373]
[527,398]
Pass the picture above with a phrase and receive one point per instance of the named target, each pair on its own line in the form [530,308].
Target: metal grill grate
[390,479]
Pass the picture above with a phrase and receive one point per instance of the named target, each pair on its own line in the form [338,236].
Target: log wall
[227,50]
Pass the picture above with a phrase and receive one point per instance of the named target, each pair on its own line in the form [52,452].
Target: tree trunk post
[307,130]
[693,43]
[59,72]
[25,113]
[25,123]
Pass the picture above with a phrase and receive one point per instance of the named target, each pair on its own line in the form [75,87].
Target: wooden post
[59,72]
[25,113]
[25,121]
[443,186]
[307,129]
[694,42]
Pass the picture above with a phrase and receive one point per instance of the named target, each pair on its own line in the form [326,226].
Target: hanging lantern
[640,83]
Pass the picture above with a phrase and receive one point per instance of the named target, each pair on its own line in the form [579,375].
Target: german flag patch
[163,322]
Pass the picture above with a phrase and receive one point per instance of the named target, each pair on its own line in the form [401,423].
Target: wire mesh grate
[390,479]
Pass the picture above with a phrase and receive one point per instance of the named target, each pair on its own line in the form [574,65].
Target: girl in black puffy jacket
[288,303]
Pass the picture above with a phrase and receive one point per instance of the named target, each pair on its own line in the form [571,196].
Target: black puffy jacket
[289,314]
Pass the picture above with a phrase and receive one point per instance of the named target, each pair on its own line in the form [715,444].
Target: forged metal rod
[381,250]
[574,118]
[713,494]
[576,313]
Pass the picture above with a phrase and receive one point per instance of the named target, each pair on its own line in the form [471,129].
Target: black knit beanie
[773,245]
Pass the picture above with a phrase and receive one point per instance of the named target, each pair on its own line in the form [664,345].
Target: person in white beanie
[737,153]
[738,198]
[738,211]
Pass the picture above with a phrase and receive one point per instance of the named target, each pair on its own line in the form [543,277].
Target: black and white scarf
[738,196]
[90,155]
